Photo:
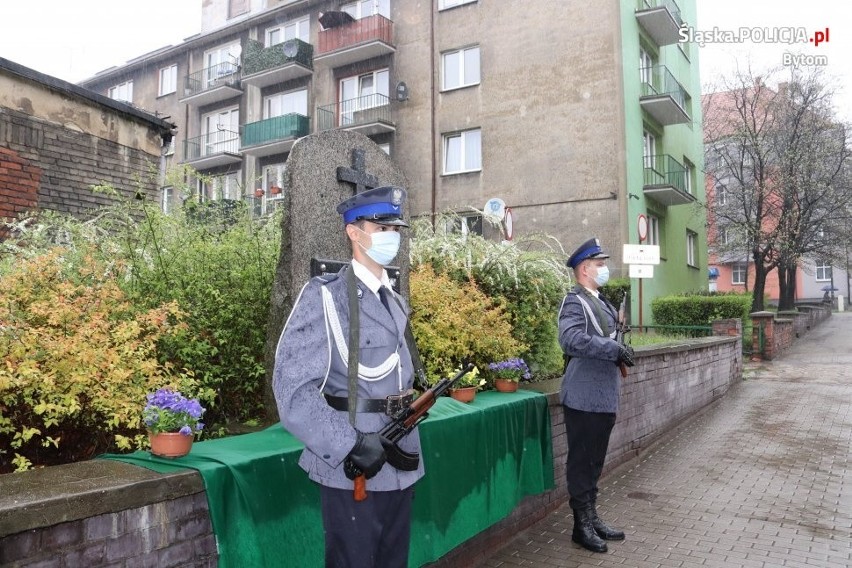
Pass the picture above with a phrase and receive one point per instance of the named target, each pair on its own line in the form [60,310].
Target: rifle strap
[419,370]
[354,331]
[596,304]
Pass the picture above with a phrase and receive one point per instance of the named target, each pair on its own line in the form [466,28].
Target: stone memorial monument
[323,170]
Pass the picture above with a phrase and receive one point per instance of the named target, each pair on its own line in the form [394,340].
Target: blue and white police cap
[589,249]
[382,205]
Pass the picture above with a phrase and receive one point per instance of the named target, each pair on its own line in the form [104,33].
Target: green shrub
[615,290]
[455,323]
[78,359]
[700,309]
[527,277]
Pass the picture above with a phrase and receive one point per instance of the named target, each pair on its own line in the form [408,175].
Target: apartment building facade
[581,117]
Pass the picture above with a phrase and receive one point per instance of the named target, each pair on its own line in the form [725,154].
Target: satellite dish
[495,208]
[235,51]
[290,48]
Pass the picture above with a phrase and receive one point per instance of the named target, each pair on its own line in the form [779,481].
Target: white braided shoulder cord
[365,373]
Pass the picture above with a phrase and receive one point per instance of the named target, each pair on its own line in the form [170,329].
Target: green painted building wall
[684,142]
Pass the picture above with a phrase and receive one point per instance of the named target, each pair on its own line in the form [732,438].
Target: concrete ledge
[59,494]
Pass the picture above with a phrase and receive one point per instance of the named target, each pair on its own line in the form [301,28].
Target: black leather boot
[584,533]
[604,531]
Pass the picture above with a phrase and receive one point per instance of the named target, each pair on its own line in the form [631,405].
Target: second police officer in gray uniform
[311,384]
[590,389]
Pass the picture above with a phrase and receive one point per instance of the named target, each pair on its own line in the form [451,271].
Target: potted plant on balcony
[172,421]
[506,374]
[466,387]
[275,190]
[258,192]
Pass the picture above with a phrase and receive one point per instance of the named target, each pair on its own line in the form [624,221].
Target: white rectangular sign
[641,254]
[641,271]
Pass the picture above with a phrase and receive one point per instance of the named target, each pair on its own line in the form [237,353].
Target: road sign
[641,271]
[641,254]
[642,227]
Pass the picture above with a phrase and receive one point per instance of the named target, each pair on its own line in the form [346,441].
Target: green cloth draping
[481,459]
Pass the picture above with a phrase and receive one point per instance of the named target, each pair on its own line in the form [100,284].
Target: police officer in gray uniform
[590,389]
[311,384]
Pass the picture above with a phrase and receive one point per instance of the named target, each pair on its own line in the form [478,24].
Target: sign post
[641,260]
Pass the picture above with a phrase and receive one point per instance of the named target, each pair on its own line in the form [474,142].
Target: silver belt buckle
[398,402]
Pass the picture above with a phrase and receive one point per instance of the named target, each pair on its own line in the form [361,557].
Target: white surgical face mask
[384,248]
[603,275]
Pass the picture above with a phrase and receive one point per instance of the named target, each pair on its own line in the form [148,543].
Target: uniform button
[325,456]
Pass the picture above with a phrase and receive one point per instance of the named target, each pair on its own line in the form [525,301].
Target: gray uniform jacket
[592,380]
[309,361]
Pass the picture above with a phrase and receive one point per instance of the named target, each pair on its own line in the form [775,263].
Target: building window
[237,8]
[221,63]
[166,203]
[460,68]
[653,231]
[646,68]
[286,103]
[363,92]
[823,271]
[220,187]
[690,171]
[691,248]
[365,8]
[444,4]
[122,92]
[220,132]
[297,29]
[168,80]
[649,149]
[464,224]
[738,273]
[721,194]
[724,235]
[463,152]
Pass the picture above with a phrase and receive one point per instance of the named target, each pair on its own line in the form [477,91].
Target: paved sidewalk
[761,479]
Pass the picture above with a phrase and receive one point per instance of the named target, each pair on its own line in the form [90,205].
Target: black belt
[390,405]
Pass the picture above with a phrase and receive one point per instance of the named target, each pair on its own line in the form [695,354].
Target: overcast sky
[74,39]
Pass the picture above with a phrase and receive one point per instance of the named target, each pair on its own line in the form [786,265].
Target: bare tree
[781,161]
[739,161]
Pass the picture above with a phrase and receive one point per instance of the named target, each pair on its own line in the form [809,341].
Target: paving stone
[761,478]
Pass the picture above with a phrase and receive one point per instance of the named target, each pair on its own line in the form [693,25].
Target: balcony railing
[661,19]
[665,180]
[274,134]
[212,77]
[370,114]
[263,66]
[356,41]
[663,96]
[212,149]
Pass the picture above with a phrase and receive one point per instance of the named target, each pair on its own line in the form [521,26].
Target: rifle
[622,329]
[401,425]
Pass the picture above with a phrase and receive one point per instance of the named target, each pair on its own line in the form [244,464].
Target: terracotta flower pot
[274,190]
[505,385]
[170,444]
[258,192]
[464,394]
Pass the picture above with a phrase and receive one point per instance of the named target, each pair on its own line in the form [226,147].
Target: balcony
[665,181]
[212,84]
[276,64]
[662,96]
[214,149]
[274,135]
[369,115]
[358,40]
[660,19]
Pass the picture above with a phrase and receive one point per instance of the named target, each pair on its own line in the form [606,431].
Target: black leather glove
[625,355]
[367,456]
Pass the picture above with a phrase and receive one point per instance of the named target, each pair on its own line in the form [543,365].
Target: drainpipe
[432,11]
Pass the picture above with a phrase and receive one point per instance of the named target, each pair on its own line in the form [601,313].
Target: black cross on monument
[356,174]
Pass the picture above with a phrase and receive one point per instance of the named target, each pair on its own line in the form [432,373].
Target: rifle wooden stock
[360,489]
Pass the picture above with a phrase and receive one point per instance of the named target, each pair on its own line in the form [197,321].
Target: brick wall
[782,329]
[47,166]
[139,518]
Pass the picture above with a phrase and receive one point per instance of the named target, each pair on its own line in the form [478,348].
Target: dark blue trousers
[588,439]
[373,533]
